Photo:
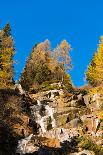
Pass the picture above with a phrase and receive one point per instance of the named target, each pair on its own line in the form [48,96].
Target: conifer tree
[94,74]
[6,57]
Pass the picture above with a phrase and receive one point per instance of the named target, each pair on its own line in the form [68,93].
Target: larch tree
[94,74]
[36,69]
[61,54]
[6,57]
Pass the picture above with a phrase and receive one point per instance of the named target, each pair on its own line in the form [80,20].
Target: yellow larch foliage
[6,57]
[94,74]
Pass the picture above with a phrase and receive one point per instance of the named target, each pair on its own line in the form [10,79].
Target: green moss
[62,120]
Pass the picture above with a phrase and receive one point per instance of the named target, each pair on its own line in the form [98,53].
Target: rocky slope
[52,122]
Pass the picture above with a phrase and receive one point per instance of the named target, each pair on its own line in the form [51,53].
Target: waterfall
[22,145]
[19,88]
[50,112]
[39,103]
[41,120]
[41,113]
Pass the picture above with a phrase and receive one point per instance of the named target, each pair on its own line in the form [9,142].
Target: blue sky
[80,22]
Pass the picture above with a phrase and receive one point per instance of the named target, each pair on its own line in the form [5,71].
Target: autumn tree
[61,54]
[42,66]
[94,74]
[6,56]
[36,69]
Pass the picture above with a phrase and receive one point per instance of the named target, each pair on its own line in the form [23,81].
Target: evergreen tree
[7,30]
[6,57]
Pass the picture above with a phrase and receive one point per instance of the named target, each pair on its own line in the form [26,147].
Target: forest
[45,64]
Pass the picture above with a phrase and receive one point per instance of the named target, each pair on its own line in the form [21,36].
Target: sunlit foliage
[94,74]
[45,64]
[6,57]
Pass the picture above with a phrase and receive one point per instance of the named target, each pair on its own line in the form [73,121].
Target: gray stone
[84,152]
[75,122]
[86,99]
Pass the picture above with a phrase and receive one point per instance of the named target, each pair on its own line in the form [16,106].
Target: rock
[61,134]
[86,99]
[52,94]
[61,120]
[96,102]
[73,103]
[84,152]
[80,97]
[92,123]
[75,123]
[99,133]
[77,100]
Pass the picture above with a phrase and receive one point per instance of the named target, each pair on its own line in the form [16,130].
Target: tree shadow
[8,142]
[66,148]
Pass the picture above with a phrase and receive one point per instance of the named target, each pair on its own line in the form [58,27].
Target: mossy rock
[62,120]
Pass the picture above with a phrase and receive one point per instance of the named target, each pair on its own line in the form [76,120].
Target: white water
[39,103]
[19,87]
[22,145]
[41,120]
[26,145]
[49,112]
[41,123]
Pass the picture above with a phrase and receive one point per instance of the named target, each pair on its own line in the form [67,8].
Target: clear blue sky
[80,22]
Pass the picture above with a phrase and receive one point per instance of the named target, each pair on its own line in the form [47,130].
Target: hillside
[43,113]
[50,122]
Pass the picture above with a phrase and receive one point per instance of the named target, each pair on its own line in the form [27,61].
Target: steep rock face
[49,119]
[65,111]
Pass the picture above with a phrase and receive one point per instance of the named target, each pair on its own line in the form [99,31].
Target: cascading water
[40,117]
[43,116]
[22,145]
[20,89]
[50,112]
[41,113]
